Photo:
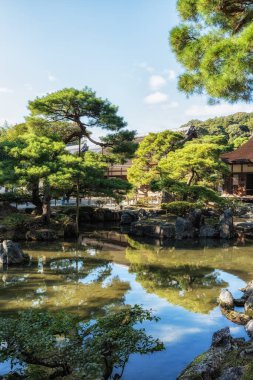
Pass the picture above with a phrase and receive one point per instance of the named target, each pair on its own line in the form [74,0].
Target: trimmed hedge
[179,208]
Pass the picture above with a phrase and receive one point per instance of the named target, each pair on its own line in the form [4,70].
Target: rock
[11,253]
[226,226]
[248,306]
[142,214]
[70,230]
[249,328]
[235,317]
[248,289]
[184,229]
[245,226]
[222,338]
[2,228]
[226,299]
[42,235]
[207,231]
[208,365]
[128,217]
[196,218]
[232,373]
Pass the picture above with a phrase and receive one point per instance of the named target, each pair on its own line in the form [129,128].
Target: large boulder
[196,218]
[226,299]
[209,365]
[11,253]
[184,229]
[226,226]
[43,234]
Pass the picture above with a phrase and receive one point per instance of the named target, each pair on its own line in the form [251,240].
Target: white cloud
[217,110]
[51,77]
[171,74]
[6,90]
[156,82]
[156,98]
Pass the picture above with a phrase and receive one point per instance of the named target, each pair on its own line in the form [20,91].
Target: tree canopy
[87,111]
[214,44]
[196,163]
[151,149]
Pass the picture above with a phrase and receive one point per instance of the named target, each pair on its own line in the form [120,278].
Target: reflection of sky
[185,334]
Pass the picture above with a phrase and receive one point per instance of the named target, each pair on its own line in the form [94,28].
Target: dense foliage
[235,129]
[214,44]
[86,111]
[64,348]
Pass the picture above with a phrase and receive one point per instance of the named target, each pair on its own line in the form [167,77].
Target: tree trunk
[189,182]
[77,205]
[36,198]
[46,207]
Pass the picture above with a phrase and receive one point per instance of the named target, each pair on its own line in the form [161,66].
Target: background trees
[214,44]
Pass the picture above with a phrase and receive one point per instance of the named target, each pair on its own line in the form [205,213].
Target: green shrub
[16,220]
[180,208]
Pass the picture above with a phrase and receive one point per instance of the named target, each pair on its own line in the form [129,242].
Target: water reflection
[181,283]
[57,280]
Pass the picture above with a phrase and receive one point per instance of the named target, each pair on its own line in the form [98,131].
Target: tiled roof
[242,154]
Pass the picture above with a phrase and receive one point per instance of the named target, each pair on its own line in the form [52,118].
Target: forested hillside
[237,128]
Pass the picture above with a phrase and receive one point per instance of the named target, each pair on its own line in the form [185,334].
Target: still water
[179,283]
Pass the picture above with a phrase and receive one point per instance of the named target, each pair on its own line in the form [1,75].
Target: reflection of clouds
[172,333]
[235,329]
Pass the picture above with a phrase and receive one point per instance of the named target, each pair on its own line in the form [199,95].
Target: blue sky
[118,47]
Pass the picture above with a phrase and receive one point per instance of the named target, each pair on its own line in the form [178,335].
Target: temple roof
[243,154]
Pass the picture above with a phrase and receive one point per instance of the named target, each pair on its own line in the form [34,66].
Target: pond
[106,269]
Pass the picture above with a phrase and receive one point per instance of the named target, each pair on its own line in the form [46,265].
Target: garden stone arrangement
[227,358]
[193,225]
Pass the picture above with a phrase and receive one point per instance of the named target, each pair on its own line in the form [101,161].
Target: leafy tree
[86,111]
[64,348]
[196,163]
[151,149]
[29,162]
[214,44]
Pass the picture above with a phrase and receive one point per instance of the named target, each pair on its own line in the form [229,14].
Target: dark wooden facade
[240,180]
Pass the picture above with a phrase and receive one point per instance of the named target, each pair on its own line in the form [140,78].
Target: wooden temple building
[240,161]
